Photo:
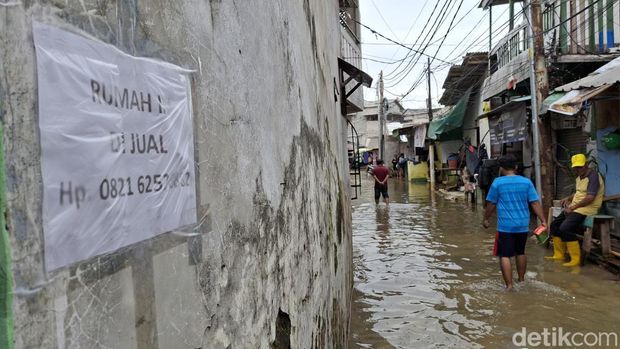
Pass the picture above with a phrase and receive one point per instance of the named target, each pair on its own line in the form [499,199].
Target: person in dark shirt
[395,163]
[402,165]
[381,175]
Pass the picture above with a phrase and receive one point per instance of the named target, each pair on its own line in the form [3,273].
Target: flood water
[425,277]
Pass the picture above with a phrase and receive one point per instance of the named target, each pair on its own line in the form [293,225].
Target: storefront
[584,115]
[509,132]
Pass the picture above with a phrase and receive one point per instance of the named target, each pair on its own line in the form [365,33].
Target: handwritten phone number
[111,188]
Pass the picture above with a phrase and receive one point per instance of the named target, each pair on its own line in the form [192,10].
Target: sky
[403,21]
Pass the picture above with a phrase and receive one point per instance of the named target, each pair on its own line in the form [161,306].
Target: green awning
[451,123]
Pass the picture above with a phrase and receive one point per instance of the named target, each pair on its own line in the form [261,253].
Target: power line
[446,35]
[416,19]
[471,31]
[457,23]
[415,85]
[524,65]
[384,21]
[416,40]
[410,29]
[447,32]
[412,63]
[419,80]
[388,39]
[472,71]
[377,60]
[392,44]
[482,37]
[477,40]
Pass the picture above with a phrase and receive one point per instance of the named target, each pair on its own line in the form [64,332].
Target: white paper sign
[419,136]
[117,147]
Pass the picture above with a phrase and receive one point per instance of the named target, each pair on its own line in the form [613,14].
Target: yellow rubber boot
[575,254]
[559,249]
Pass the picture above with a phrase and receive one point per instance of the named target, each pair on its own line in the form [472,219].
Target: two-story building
[579,37]
[368,126]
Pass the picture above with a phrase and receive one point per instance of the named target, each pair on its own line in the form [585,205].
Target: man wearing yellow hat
[586,201]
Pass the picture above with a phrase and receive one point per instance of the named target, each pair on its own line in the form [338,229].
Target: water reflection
[425,277]
[383,228]
[417,192]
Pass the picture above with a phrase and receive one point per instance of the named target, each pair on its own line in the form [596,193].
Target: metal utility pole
[431,146]
[381,118]
[511,14]
[490,30]
[539,86]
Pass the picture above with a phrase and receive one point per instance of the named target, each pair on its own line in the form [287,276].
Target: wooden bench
[606,226]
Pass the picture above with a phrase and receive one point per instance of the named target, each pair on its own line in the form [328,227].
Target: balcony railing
[570,27]
[581,26]
[509,47]
[573,29]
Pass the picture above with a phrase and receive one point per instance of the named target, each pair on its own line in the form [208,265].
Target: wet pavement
[425,277]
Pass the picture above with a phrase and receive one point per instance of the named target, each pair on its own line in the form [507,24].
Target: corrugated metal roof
[412,124]
[463,76]
[608,74]
[571,102]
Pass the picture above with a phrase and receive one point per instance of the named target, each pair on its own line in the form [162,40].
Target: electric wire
[418,37]
[384,21]
[524,64]
[437,51]
[412,63]
[389,39]
[457,23]
[447,32]
[517,69]
[417,83]
[482,37]
[398,75]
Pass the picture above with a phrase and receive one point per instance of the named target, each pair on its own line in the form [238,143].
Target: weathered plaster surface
[269,263]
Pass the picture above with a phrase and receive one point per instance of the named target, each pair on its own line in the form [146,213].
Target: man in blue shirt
[511,195]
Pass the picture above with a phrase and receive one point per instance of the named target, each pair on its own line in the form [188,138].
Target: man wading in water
[511,195]
[381,175]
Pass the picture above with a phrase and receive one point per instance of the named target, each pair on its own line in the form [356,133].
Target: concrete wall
[445,148]
[470,123]
[608,163]
[372,139]
[270,264]
[608,120]
[485,134]
[361,126]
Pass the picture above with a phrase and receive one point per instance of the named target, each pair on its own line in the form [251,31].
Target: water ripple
[425,277]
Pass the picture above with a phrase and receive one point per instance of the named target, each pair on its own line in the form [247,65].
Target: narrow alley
[425,277]
[196,174]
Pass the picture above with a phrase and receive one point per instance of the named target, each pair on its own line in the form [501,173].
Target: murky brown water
[425,277]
